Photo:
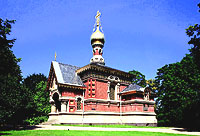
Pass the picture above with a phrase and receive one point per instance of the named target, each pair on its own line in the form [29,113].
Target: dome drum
[96,42]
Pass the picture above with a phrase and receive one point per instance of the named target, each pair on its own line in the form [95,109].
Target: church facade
[97,94]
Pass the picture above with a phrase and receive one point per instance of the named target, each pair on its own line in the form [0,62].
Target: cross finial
[55,56]
[98,17]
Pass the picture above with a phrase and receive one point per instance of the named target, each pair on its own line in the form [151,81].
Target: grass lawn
[82,133]
[109,126]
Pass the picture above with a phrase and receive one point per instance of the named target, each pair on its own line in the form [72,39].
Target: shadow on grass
[1,134]
[186,130]
[10,127]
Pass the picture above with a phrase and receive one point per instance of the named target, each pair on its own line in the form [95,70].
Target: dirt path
[168,130]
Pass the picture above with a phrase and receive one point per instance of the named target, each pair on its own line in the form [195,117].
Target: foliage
[37,107]
[32,80]
[36,120]
[41,98]
[178,89]
[194,33]
[30,83]
[139,78]
[11,93]
[152,84]
[19,101]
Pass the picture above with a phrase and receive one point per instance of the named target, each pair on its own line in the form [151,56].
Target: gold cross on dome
[98,17]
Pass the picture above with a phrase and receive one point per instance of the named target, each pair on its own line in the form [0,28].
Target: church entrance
[112,92]
[57,102]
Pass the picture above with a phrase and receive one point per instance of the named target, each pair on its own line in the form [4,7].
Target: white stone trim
[113,78]
[52,93]
[108,91]
[116,92]
[117,101]
[57,72]
[104,118]
[71,84]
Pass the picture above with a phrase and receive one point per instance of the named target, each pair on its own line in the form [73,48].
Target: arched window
[79,104]
[112,92]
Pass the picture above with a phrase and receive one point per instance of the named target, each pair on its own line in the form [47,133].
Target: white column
[67,103]
[108,91]
[53,107]
[63,106]
[118,87]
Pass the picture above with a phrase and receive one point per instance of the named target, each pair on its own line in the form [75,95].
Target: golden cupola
[97,36]
[97,41]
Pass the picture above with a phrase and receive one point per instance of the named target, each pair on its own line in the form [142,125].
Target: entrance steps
[50,122]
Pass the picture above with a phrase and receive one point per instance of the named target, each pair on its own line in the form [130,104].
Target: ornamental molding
[52,93]
[113,78]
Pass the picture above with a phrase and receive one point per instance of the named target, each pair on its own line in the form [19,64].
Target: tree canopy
[139,78]
[178,87]
[194,33]
[11,93]
[37,99]
[21,100]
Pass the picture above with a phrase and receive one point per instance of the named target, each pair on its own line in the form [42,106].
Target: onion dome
[97,37]
[97,41]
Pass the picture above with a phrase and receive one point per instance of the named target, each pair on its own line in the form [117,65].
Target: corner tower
[97,42]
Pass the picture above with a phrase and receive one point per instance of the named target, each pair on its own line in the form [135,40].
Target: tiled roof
[69,74]
[66,74]
[132,87]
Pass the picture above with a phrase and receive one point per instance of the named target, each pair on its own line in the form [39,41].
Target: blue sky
[140,34]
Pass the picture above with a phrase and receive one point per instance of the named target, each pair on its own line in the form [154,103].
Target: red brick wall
[151,108]
[72,93]
[115,107]
[101,90]
[101,107]
[101,93]
[91,88]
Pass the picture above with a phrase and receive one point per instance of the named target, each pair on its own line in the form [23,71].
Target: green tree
[32,80]
[11,92]
[152,84]
[194,33]
[178,88]
[37,106]
[139,78]
[29,84]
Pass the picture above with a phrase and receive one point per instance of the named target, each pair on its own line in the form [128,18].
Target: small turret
[97,42]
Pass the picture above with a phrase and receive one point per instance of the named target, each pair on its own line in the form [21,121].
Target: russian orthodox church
[97,94]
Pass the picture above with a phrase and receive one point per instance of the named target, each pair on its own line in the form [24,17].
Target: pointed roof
[66,74]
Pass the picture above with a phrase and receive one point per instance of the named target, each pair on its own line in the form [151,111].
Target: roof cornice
[103,69]
[72,86]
